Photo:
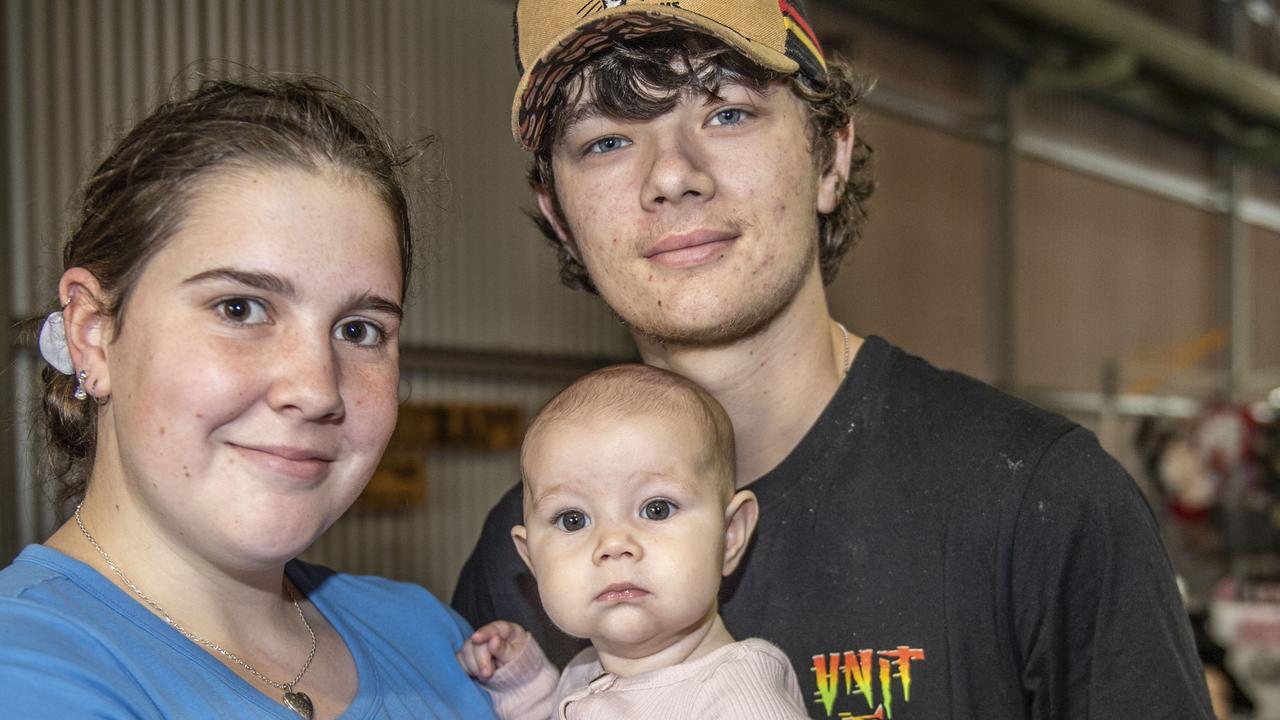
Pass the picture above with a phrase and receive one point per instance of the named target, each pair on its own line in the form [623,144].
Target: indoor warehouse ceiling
[1121,56]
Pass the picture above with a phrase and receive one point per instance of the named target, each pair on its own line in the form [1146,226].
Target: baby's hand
[491,647]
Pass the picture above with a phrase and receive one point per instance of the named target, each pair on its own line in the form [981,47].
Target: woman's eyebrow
[269,282]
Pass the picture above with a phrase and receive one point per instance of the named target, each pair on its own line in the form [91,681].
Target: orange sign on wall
[400,482]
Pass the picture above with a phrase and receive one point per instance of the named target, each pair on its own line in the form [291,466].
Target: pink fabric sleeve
[751,686]
[523,688]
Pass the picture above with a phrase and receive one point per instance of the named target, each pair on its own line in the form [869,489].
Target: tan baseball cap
[554,37]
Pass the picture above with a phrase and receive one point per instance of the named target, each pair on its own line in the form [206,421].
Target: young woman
[222,382]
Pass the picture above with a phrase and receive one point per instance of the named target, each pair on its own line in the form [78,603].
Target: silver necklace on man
[296,701]
[844,362]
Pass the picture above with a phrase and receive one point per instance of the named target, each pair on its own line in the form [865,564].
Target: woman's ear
[520,536]
[87,326]
[740,521]
[831,184]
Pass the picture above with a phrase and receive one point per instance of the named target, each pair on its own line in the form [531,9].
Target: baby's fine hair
[619,391]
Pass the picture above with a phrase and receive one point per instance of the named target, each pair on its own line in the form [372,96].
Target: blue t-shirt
[73,645]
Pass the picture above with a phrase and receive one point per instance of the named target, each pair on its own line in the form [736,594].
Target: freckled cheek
[219,384]
[175,382]
[370,396]
[598,221]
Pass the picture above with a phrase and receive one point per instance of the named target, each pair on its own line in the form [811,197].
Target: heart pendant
[300,703]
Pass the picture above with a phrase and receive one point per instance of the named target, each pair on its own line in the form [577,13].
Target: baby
[631,519]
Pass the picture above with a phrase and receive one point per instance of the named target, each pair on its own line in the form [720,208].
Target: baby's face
[624,529]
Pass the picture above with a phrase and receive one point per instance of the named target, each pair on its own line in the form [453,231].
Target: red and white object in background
[1244,618]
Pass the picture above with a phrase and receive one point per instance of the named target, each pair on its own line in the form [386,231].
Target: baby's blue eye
[572,520]
[658,509]
[244,311]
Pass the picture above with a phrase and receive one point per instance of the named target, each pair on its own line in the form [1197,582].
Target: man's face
[699,225]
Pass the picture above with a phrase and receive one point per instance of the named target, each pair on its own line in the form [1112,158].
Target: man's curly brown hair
[646,79]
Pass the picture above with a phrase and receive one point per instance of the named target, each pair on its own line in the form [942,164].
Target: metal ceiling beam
[1114,54]
[1163,50]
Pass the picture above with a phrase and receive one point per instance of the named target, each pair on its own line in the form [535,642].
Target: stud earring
[81,393]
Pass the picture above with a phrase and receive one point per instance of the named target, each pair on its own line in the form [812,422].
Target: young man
[927,547]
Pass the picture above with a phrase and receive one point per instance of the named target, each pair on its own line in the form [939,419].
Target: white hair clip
[53,344]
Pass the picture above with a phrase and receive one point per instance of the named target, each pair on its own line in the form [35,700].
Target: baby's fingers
[508,640]
[476,659]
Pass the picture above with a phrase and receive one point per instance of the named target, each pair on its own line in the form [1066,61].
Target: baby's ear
[739,522]
[520,536]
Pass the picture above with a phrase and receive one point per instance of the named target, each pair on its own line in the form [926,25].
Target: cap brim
[613,26]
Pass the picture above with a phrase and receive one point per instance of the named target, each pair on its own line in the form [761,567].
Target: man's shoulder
[944,404]
[1004,451]
[941,428]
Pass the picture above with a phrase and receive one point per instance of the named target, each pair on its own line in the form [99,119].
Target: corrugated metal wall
[1119,245]
[1120,236]
[79,72]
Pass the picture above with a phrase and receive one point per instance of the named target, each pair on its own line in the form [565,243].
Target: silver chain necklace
[298,702]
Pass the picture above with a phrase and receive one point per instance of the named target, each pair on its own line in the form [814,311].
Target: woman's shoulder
[50,599]
[58,650]
[41,578]
[24,576]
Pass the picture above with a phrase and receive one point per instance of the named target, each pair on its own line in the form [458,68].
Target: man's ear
[740,521]
[547,206]
[520,536]
[88,327]
[831,184]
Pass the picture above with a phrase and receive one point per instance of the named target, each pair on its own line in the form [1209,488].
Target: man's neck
[774,384]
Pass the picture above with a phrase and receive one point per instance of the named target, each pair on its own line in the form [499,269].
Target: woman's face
[253,382]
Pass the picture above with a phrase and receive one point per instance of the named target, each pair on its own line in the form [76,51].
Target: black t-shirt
[933,548]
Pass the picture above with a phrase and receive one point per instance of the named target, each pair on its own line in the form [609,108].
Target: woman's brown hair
[138,196]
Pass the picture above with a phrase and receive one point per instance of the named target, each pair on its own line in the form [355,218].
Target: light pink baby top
[746,680]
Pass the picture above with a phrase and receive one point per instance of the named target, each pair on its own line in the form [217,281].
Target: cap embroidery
[591,34]
[594,6]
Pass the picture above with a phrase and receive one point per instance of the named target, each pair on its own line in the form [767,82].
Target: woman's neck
[236,607]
